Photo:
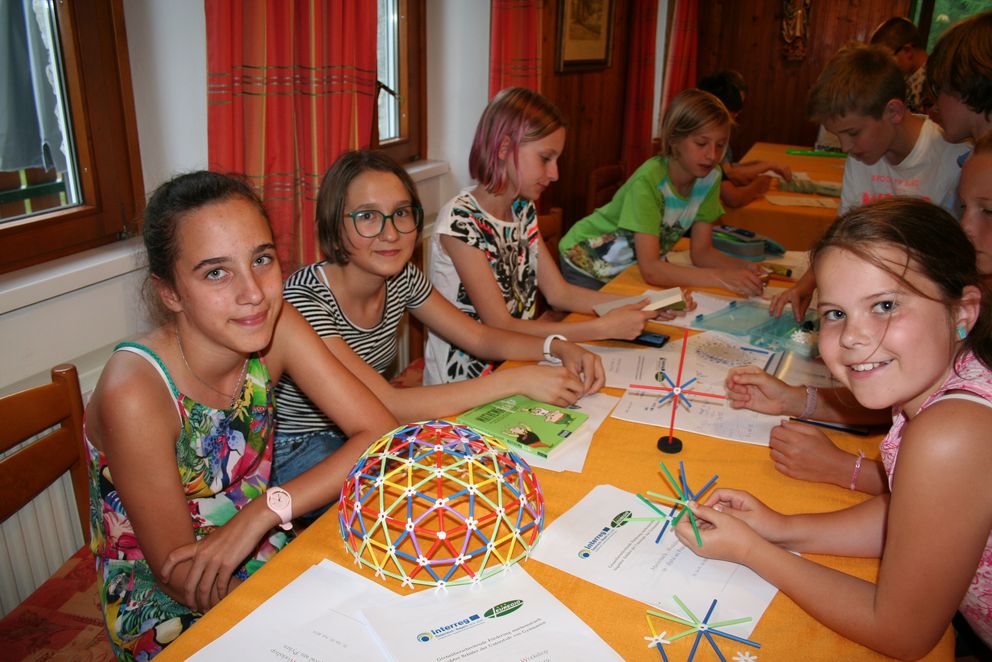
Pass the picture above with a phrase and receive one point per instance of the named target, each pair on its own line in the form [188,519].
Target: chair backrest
[28,471]
[603,183]
[549,226]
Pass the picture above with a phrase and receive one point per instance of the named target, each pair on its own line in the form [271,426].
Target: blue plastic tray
[749,319]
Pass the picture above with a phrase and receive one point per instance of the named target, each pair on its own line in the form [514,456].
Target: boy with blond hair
[861,98]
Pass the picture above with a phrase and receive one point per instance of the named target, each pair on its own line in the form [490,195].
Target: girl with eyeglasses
[369,220]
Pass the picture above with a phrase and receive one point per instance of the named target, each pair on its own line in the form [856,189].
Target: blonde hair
[690,111]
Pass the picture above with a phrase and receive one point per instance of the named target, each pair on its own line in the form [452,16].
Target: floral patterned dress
[972,377]
[224,458]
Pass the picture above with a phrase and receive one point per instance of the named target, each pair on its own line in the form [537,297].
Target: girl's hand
[797,297]
[802,451]
[215,559]
[582,363]
[784,171]
[626,322]
[750,387]
[555,385]
[746,281]
[665,314]
[725,536]
[734,521]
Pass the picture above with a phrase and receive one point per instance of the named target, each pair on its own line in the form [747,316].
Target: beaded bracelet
[810,402]
[857,469]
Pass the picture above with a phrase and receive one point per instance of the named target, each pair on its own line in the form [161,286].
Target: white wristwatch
[548,356]
[280,502]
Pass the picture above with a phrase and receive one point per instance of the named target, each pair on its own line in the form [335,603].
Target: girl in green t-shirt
[670,194]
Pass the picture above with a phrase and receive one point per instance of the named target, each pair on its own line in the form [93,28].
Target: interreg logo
[449,629]
[504,608]
[604,534]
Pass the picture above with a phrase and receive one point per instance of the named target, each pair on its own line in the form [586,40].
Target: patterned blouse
[510,247]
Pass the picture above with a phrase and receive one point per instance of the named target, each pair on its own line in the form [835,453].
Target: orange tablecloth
[796,228]
[622,454]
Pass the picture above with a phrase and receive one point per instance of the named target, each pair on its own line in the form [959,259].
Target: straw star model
[679,505]
[701,628]
[677,394]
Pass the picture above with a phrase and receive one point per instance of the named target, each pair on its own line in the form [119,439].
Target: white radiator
[36,540]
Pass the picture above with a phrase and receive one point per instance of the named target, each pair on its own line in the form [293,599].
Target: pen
[813,152]
[853,429]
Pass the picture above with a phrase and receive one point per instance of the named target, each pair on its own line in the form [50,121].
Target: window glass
[38,165]
[945,14]
[388,71]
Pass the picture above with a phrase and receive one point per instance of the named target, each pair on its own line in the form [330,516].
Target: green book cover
[525,424]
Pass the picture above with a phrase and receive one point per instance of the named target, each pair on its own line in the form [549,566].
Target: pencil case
[745,244]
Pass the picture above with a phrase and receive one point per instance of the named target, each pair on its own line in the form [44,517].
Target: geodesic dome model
[437,503]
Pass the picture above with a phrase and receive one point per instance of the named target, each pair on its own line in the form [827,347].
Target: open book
[658,299]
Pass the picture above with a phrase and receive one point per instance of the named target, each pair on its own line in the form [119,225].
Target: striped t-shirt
[310,293]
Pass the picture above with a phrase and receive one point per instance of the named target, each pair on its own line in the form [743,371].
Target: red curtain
[291,84]
[638,116]
[683,47]
[515,45]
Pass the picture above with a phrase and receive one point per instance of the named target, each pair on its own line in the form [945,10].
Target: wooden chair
[550,228]
[63,615]
[604,181]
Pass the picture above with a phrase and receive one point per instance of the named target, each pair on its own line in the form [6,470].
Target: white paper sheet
[785,200]
[573,457]
[315,618]
[584,542]
[707,359]
[484,622]
[712,418]
[658,299]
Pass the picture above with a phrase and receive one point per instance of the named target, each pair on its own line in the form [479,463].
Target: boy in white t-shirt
[860,97]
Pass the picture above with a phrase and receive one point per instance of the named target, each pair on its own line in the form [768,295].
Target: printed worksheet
[314,618]
[509,616]
[705,410]
[595,541]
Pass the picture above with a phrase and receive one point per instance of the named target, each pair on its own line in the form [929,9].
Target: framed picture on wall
[585,34]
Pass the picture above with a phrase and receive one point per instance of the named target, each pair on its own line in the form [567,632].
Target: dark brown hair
[168,205]
[333,196]
[961,63]
[935,245]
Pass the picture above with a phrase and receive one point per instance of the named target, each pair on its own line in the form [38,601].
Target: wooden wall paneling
[746,35]
[593,105]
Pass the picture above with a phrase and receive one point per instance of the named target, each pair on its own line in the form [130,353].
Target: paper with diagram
[592,541]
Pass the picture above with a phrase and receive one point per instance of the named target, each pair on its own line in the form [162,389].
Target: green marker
[813,152]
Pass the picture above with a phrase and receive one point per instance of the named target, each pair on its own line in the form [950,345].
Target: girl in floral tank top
[906,325]
[224,459]
[179,428]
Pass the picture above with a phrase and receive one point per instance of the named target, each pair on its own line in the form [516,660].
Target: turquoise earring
[962,332]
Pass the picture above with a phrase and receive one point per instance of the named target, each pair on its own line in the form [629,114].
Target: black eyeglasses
[371,222]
